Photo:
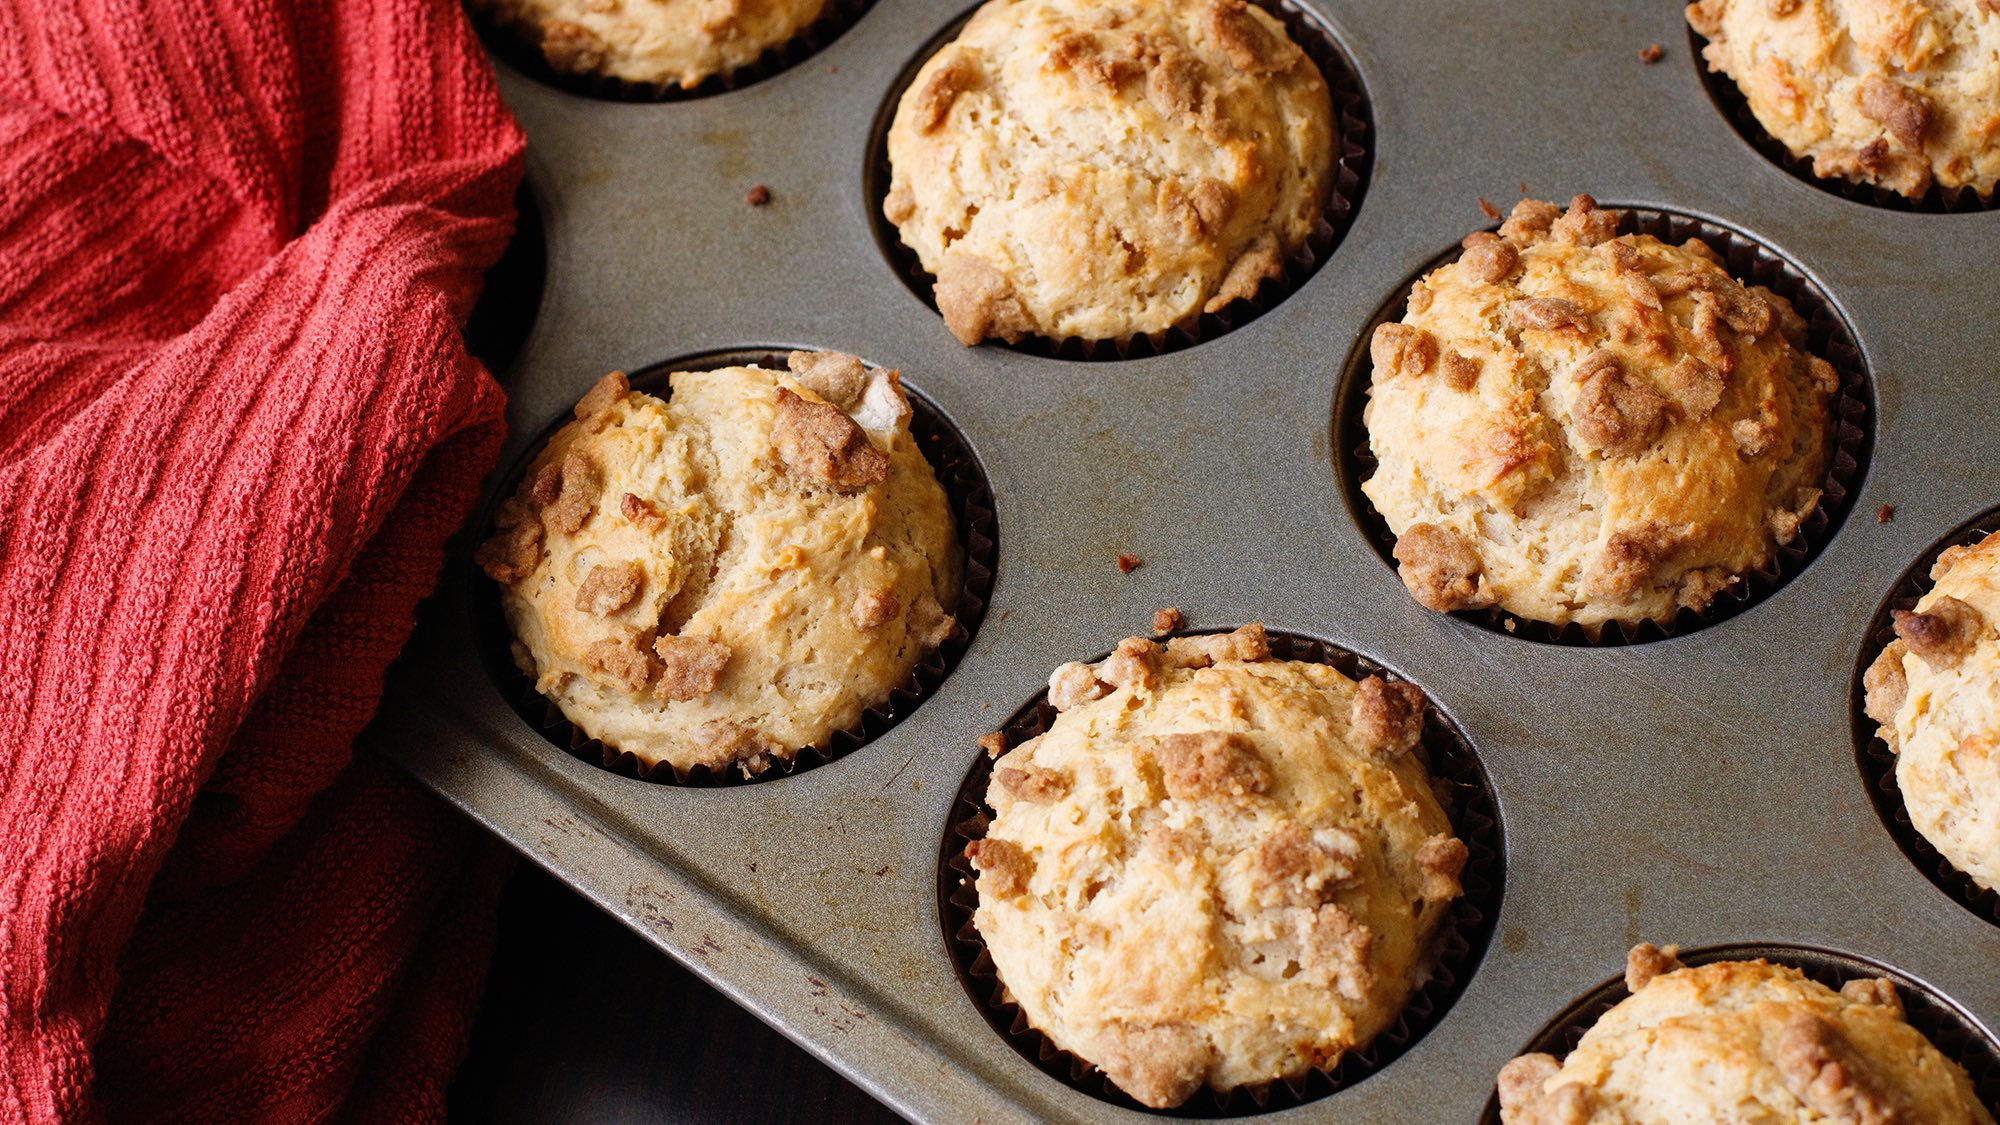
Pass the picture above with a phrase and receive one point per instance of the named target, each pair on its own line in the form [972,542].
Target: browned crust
[1259,262]
[1906,113]
[1160,1065]
[690,667]
[1211,764]
[571,489]
[1878,991]
[1249,46]
[1030,783]
[1442,859]
[1075,683]
[1400,349]
[1297,869]
[1884,687]
[1386,718]
[873,609]
[1488,257]
[1645,962]
[602,396]
[837,377]
[1004,869]
[1942,634]
[620,659]
[610,587]
[1135,663]
[516,547]
[1823,1070]
[977,301]
[1336,945]
[1248,643]
[954,76]
[818,441]
[1614,414]
[1441,569]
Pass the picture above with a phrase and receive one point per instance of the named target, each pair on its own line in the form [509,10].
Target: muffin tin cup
[1454,955]
[518,43]
[1735,108]
[1849,415]
[1955,1034]
[1352,159]
[971,503]
[1878,762]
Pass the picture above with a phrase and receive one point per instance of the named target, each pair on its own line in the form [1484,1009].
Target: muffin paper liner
[518,43]
[1878,762]
[1729,99]
[1956,1035]
[1849,415]
[1455,951]
[1353,159]
[971,503]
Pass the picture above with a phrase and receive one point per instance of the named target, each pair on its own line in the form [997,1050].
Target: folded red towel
[237,421]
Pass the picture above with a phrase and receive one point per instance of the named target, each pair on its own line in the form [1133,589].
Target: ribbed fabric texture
[237,421]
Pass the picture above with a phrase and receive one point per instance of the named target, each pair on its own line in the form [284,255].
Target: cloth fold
[238,239]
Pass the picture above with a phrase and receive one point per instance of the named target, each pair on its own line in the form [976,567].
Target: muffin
[1214,868]
[1902,94]
[655,42]
[733,574]
[1742,1041]
[1103,169]
[1936,691]
[1576,426]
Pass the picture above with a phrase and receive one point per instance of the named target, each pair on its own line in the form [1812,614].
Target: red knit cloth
[237,421]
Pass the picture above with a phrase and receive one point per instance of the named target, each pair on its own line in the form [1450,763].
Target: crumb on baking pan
[1885,513]
[1651,53]
[757,196]
[1488,209]
[1167,620]
[1128,562]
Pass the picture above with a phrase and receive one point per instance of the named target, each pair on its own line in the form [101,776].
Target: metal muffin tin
[1700,789]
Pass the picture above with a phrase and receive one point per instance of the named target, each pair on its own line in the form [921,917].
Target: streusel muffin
[1578,426]
[655,42]
[1742,1041]
[1898,93]
[1103,169]
[735,573]
[1214,868]
[1936,691]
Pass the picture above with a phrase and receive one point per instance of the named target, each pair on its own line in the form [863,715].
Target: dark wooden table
[584,1022]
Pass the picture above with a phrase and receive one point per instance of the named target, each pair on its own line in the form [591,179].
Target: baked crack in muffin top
[1214,868]
[732,574]
[1742,1041]
[1100,169]
[655,42]
[1936,691]
[1903,94]
[1579,426]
